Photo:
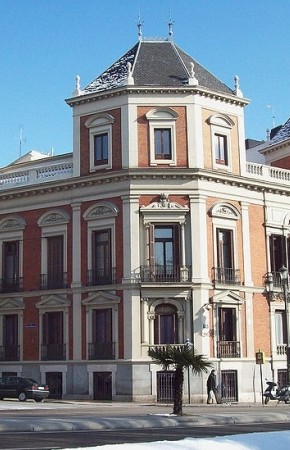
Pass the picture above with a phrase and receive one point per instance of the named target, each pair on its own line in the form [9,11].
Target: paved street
[90,415]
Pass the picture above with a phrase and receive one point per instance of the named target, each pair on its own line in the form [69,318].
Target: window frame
[100,124]
[162,119]
[221,125]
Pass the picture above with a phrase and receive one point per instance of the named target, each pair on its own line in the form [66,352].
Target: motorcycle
[273,392]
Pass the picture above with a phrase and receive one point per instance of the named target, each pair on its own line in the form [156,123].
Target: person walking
[211,388]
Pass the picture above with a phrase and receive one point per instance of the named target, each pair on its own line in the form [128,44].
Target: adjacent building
[155,230]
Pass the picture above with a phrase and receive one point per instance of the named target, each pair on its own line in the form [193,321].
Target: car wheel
[22,396]
[38,400]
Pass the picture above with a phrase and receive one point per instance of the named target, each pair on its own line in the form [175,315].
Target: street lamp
[284,276]
[188,345]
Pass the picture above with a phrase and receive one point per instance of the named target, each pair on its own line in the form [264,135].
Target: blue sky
[46,43]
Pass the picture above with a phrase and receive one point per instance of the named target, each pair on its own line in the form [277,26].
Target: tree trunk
[178,391]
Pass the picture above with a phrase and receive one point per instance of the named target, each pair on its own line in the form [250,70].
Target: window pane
[162,138]
[101,148]
[221,149]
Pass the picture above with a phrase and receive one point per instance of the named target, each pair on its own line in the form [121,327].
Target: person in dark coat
[211,387]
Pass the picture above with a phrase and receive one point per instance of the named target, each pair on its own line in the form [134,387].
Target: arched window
[165,324]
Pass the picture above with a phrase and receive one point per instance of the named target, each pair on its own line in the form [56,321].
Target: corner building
[153,231]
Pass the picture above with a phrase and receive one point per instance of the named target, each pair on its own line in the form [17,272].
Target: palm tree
[179,357]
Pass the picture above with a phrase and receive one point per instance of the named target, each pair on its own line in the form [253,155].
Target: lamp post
[284,276]
[188,344]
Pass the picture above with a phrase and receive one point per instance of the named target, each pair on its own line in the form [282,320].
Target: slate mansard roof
[282,134]
[156,63]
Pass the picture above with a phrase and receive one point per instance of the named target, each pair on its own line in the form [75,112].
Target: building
[154,230]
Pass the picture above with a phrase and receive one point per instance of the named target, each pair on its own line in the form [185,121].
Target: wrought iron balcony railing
[225,275]
[53,282]
[14,284]
[9,353]
[53,352]
[101,277]
[162,274]
[228,349]
[101,350]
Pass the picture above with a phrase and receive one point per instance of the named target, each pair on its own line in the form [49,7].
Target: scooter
[273,392]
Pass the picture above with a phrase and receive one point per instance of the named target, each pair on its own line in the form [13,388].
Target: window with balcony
[279,255]
[10,269]
[55,278]
[101,268]
[102,272]
[54,249]
[53,347]
[11,258]
[225,270]
[102,346]
[281,332]
[228,346]
[165,325]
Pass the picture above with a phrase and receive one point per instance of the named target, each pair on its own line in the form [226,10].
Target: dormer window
[100,127]
[162,136]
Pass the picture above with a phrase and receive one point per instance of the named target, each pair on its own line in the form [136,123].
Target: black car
[22,388]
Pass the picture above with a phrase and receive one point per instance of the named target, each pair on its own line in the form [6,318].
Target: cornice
[145,175]
[139,90]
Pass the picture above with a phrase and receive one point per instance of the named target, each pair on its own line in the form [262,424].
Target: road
[60,425]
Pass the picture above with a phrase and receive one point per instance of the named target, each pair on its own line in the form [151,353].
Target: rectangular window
[53,347]
[162,141]
[227,324]
[10,271]
[102,346]
[225,271]
[101,145]
[10,337]
[221,150]
[279,252]
[55,270]
[280,327]
[165,252]
[102,257]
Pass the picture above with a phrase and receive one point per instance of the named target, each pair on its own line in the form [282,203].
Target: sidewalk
[72,416]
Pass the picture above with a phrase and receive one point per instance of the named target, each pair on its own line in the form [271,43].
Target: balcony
[9,353]
[14,284]
[224,275]
[53,352]
[164,274]
[101,350]
[53,281]
[282,350]
[101,277]
[228,349]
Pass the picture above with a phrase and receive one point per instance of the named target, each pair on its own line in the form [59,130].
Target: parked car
[22,388]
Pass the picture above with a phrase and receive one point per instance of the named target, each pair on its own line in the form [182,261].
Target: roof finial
[77,90]
[170,27]
[238,91]
[130,79]
[192,81]
[139,26]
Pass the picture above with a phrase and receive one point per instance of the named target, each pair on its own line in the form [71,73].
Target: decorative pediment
[12,223]
[224,210]
[54,217]
[101,298]
[164,211]
[221,121]
[11,304]
[101,210]
[53,302]
[227,298]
